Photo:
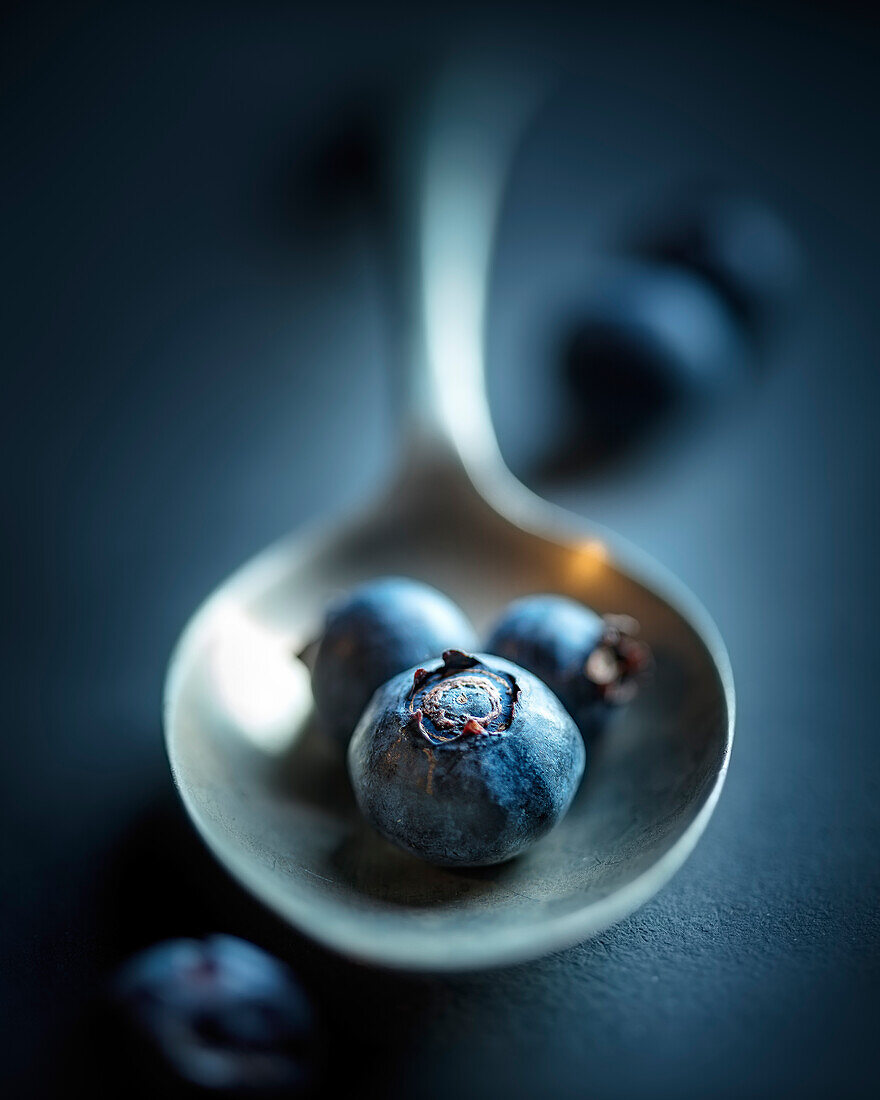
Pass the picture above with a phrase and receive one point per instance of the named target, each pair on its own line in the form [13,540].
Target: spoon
[269,794]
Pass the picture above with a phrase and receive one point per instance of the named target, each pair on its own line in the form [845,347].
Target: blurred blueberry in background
[652,345]
[623,360]
[657,335]
[735,241]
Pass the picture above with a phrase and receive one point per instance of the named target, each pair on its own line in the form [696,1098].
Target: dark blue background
[193,362]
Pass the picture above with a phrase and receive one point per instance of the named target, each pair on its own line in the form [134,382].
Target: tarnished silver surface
[270,795]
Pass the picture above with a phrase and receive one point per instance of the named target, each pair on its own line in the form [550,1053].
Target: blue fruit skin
[222,1013]
[479,797]
[373,633]
[553,637]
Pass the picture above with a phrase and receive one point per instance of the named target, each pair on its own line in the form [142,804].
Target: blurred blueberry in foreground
[734,241]
[223,1014]
[651,344]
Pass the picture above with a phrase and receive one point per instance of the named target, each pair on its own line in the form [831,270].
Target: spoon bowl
[268,791]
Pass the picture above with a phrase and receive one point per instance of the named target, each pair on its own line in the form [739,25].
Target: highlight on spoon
[254,680]
[587,561]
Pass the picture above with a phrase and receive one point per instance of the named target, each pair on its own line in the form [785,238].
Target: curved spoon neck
[432,462]
[451,174]
[446,409]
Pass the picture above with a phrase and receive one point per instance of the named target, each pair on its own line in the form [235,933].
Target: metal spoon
[270,796]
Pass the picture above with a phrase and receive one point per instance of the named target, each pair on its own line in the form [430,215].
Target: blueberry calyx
[617,662]
[461,699]
[454,659]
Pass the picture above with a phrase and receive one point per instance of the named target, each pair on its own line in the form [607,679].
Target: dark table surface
[177,335]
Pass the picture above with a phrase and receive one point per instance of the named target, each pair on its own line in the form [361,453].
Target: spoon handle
[458,146]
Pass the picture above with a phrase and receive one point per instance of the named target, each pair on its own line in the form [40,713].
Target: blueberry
[376,631]
[591,663]
[651,347]
[466,762]
[223,1014]
[734,241]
